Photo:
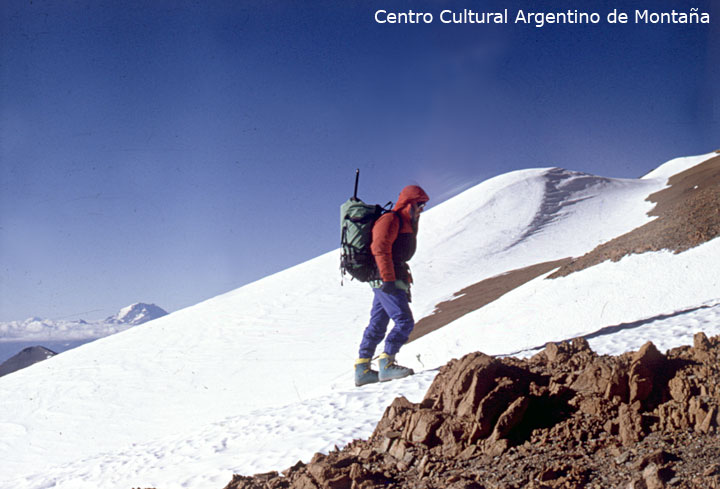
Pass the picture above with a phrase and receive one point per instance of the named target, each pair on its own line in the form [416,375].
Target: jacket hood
[412,194]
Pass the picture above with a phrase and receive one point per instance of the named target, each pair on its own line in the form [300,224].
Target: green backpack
[356,222]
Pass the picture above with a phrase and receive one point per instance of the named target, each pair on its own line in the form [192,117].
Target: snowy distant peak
[137,313]
[39,329]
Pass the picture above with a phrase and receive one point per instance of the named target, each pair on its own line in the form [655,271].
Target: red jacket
[394,236]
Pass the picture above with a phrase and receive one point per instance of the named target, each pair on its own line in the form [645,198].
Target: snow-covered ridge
[677,165]
[38,329]
[179,401]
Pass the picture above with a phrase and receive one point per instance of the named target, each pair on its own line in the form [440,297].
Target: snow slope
[257,378]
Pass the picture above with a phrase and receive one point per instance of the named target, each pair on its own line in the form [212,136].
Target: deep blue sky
[170,151]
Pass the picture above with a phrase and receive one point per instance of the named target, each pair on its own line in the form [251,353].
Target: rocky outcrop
[564,418]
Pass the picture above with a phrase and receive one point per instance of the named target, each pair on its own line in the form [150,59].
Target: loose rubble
[565,418]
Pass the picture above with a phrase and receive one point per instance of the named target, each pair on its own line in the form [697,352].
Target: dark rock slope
[25,358]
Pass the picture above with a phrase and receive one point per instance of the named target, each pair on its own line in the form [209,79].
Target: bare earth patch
[688,214]
[478,295]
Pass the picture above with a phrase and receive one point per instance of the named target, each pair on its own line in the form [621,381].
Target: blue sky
[170,151]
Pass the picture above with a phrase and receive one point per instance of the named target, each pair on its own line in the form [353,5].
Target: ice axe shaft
[357,178]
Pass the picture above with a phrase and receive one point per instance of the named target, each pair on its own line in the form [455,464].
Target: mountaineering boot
[363,373]
[389,370]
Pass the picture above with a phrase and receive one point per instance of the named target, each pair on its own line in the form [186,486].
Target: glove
[388,287]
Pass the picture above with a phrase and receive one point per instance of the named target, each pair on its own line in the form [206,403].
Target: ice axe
[357,178]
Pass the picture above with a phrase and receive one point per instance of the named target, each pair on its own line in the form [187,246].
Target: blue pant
[386,306]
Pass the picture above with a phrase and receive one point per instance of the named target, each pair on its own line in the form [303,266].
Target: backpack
[356,222]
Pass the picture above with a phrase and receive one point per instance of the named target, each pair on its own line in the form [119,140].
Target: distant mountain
[25,358]
[62,335]
[40,330]
[137,313]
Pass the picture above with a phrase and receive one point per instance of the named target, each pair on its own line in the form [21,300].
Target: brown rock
[399,450]
[340,481]
[495,448]
[243,482]
[298,465]
[304,482]
[580,345]
[630,424]
[697,412]
[468,453]
[397,407]
[701,347]
[592,405]
[652,477]
[553,353]
[462,382]
[357,473]
[578,350]
[450,433]
[394,418]
[510,418]
[494,404]
[421,427]
[679,388]
[709,421]
[658,457]
[636,483]
[646,362]
[701,342]
[320,471]
[594,379]
[317,458]
[384,445]
[611,427]
[617,385]
[480,386]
